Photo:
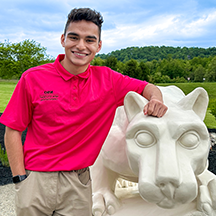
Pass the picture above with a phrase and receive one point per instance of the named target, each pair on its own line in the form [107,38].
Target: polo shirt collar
[64,73]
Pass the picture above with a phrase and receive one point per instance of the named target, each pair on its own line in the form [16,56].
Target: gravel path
[7,200]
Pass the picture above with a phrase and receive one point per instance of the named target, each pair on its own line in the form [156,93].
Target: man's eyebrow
[75,34]
[72,33]
[92,37]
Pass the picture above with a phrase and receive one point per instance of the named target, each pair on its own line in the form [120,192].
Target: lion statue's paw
[207,198]
[105,201]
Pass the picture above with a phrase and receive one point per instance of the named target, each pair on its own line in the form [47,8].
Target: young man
[68,107]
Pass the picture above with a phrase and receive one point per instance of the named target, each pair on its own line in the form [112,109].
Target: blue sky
[190,23]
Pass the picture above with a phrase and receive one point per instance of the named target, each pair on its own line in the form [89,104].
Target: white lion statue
[167,157]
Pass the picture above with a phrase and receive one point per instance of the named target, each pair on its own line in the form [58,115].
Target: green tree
[15,58]
[149,53]
[120,67]
[157,77]
[145,72]
[211,71]
[179,80]
[210,75]
[111,62]
[131,68]
[152,65]
[165,79]
[97,61]
[199,74]
[172,68]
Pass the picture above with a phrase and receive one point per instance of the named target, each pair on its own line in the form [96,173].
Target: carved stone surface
[167,157]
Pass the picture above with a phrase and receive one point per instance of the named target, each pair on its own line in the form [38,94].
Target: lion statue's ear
[134,104]
[197,100]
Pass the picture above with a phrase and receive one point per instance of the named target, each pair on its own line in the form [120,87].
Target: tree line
[167,70]
[153,64]
[149,53]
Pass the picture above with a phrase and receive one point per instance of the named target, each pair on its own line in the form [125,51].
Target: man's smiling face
[81,43]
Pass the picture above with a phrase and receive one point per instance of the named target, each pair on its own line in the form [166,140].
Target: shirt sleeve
[18,112]
[123,84]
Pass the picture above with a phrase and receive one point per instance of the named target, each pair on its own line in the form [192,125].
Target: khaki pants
[54,194]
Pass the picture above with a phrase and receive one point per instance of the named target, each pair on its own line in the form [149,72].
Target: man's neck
[73,69]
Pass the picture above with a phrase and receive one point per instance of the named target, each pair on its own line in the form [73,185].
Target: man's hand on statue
[155,108]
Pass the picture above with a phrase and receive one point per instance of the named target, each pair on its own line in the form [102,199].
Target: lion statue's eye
[145,139]
[189,140]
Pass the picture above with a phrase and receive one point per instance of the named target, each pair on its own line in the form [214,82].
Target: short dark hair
[85,14]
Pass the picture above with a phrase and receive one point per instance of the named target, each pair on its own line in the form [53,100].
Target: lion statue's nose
[168,189]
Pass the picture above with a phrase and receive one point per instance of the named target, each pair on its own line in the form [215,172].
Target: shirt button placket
[75,91]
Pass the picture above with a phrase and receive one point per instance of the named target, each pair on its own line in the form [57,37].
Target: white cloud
[200,26]
[126,22]
[173,29]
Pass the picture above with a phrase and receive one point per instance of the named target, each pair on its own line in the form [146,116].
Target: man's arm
[155,107]
[14,150]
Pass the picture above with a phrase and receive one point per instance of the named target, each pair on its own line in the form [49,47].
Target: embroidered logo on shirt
[48,95]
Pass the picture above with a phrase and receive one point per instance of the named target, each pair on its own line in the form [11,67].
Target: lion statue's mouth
[162,200]
[167,203]
[168,190]
[167,195]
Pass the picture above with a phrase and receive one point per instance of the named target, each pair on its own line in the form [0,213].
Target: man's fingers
[150,108]
[163,110]
[145,110]
[155,108]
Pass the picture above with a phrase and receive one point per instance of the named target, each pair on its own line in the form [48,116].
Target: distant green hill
[149,53]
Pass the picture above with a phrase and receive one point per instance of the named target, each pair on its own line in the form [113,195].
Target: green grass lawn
[210,120]
[7,88]
[188,87]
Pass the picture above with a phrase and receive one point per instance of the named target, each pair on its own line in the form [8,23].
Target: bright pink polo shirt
[68,117]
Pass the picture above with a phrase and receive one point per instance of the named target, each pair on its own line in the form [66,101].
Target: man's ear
[99,46]
[63,40]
